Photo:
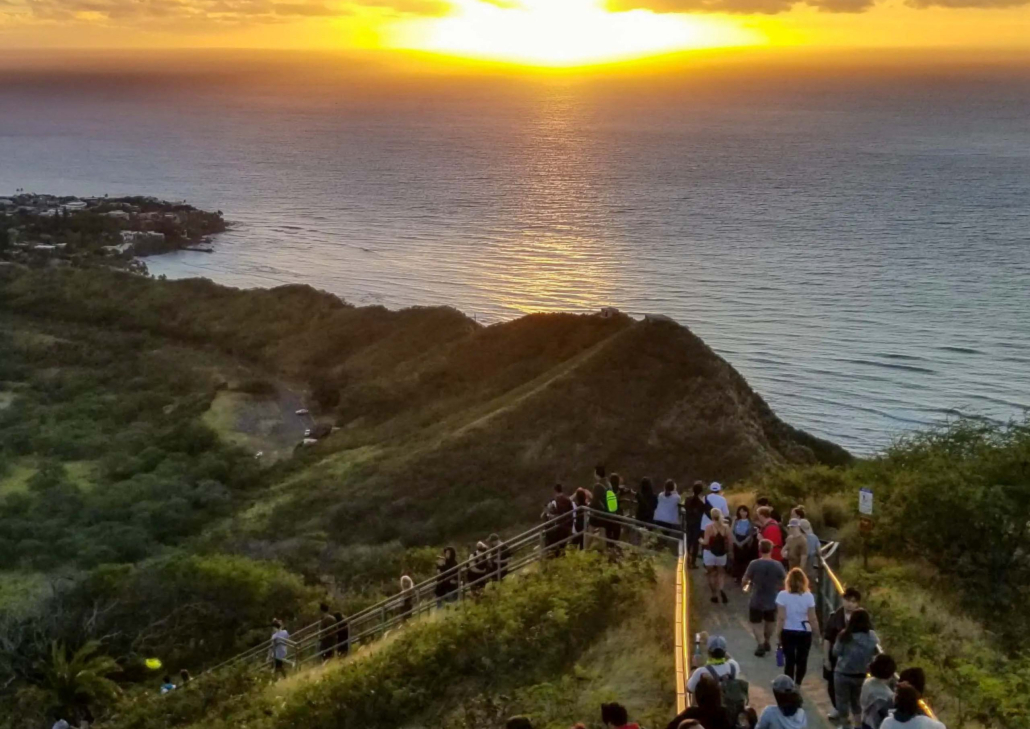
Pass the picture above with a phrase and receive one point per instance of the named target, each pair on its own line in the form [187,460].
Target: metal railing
[313,642]
[830,596]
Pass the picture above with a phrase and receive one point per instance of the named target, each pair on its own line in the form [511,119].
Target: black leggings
[796,645]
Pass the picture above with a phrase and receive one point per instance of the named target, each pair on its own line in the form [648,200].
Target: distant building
[609,312]
[142,236]
[117,214]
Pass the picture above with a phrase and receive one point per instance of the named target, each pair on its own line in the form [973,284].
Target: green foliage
[75,683]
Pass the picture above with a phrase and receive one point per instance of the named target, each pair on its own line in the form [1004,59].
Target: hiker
[716,543]
[615,715]
[667,513]
[764,501]
[769,528]
[708,707]
[908,714]
[854,649]
[714,500]
[787,712]
[407,595]
[612,528]
[446,589]
[798,512]
[184,677]
[795,547]
[877,696]
[763,579]
[693,512]
[61,724]
[500,556]
[559,506]
[479,567]
[717,665]
[813,548]
[796,623]
[835,624]
[647,502]
[342,641]
[327,633]
[581,502]
[518,722]
[280,647]
[167,685]
[743,542]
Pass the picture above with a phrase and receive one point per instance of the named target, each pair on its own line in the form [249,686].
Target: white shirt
[719,502]
[797,607]
[916,722]
[723,669]
[61,724]
[668,509]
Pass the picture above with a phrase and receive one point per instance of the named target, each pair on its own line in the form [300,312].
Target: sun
[563,33]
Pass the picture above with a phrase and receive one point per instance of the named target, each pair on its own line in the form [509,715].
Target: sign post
[865,524]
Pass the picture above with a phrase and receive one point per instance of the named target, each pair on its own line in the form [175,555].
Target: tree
[75,682]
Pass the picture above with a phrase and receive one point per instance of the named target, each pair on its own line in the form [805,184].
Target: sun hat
[716,486]
[783,684]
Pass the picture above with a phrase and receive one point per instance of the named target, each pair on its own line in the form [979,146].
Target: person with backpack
[693,512]
[786,713]
[769,528]
[708,709]
[854,649]
[721,668]
[612,528]
[716,542]
[714,500]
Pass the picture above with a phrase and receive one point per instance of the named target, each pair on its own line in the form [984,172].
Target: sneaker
[833,715]
[760,651]
[766,647]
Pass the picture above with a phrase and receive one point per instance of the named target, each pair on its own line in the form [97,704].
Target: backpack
[734,692]
[717,545]
[612,500]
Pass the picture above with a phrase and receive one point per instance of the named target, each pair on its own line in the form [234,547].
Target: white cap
[716,486]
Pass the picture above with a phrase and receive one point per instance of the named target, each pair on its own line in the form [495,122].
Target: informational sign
[865,501]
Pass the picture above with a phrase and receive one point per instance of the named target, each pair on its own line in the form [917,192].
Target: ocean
[859,247]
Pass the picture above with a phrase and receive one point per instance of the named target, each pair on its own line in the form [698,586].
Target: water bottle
[699,659]
[780,661]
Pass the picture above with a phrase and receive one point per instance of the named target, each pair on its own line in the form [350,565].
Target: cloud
[176,13]
[772,7]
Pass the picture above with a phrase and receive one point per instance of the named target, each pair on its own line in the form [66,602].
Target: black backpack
[717,545]
[734,692]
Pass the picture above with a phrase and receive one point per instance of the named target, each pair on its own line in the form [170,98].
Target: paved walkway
[730,621]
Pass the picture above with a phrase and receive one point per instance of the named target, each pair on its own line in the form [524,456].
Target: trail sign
[865,501]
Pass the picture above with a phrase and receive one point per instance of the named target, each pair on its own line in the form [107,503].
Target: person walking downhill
[327,632]
[716,543]
[763,579]
[877,697]
[708,709]
[693,513]
[743,542]
[446,588]
[855,648]
[796,624]
[835,624]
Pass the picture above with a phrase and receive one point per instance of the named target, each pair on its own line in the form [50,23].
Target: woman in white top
[716,542]
[667,512]
[796,623]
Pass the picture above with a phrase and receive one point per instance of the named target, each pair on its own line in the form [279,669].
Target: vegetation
[952,516]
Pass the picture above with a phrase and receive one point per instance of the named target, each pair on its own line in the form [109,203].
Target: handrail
[682,628]
[309,636]
[830,549]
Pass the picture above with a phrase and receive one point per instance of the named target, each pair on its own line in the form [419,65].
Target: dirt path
[730,621]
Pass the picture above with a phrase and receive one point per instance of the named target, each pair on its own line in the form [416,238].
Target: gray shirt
[766,577]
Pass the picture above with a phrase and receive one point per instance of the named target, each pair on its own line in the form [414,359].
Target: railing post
[586,528]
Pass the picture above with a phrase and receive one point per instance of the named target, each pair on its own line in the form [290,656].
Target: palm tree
[77,681]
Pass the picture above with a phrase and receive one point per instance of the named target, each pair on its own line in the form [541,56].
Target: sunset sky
[530,32]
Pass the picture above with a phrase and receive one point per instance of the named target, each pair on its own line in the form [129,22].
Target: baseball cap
[716,642]
[794,523]
[783,684]
[716,486]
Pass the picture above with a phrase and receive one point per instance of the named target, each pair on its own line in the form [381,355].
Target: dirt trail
[731,622]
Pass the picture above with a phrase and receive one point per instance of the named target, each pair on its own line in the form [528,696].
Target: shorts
[710,560]
[756,616]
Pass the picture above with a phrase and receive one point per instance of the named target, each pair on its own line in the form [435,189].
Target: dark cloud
[772,7]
